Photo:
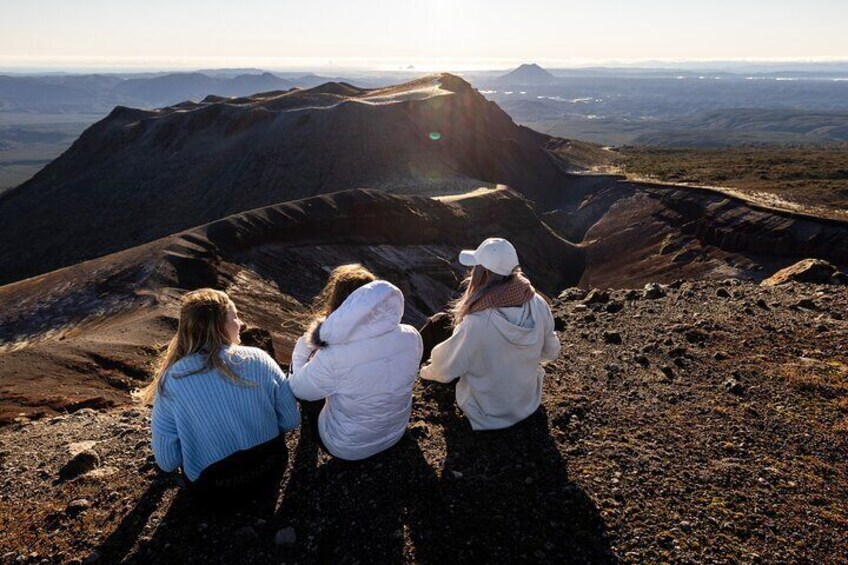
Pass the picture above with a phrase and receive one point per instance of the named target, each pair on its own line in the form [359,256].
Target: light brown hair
[343,281]
[202,329]
[478,282]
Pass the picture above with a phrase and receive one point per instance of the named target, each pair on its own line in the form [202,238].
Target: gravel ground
[708,424]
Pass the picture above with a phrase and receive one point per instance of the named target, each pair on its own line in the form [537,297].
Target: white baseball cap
[496,254]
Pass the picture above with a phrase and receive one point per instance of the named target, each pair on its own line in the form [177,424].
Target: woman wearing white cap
[503,331]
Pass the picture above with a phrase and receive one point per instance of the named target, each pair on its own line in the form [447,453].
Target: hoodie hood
[372,310]
[517,324]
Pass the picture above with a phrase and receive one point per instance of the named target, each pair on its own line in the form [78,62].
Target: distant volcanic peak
[529,73]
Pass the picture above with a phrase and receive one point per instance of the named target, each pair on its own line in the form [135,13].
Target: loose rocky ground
[693,423]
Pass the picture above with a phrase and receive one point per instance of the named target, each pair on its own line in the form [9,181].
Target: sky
[429,34]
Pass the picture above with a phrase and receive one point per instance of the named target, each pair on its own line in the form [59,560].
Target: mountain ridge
[138,174]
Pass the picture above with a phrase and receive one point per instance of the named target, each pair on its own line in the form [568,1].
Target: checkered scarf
[517,292]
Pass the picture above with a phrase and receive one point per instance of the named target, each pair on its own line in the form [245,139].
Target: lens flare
[435,136]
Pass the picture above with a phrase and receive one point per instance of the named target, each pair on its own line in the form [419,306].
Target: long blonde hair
[342,282]
[478,282]
[202,329]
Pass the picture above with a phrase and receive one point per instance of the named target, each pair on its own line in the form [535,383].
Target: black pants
[247,474]
[309,410]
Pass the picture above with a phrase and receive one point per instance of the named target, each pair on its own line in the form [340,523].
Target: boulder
[808,271]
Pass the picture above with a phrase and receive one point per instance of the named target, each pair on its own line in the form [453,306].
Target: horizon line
[389,64]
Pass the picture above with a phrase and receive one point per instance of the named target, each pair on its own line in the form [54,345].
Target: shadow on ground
[499,496]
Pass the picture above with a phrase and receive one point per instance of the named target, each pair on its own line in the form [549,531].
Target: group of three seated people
[221,410]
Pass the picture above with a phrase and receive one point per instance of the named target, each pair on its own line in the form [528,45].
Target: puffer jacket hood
[370,311]
[365,369]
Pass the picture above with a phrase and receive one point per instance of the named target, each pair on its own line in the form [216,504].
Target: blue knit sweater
[202,418]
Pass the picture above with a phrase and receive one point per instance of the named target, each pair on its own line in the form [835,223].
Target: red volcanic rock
[808,271]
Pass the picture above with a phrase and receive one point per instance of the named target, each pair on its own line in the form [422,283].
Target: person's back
[365,369]
[219,410]
[501,347]
[504,331]
[201,417]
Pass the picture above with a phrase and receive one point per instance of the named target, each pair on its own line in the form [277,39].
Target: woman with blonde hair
[360,361]
[219,409]
[503,331]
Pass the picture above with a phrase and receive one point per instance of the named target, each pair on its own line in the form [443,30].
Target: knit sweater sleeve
[451,359]
[165,441]
[288,415]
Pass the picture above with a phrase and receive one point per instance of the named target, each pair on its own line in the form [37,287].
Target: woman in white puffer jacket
[363,361]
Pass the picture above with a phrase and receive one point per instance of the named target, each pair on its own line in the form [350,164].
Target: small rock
[653,291]
[612,337]
[612,369]
[722,293]
[806,304]
[245,536]
[559,324]
[695,336]
[286,536]
[597,296]
[668,372]
[79,464]
[419,430]
[734,387]
[571,294]
[614,307]
[78,505]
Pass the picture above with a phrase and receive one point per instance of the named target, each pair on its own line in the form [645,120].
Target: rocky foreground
[690,423]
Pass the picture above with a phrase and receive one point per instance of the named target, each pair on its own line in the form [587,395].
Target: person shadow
[505,497]
[352,511]
[192,530]
[126,535]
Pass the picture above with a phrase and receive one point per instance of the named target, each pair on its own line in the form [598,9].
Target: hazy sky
[427,33]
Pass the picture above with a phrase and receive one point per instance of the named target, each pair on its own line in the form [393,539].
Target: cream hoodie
[496,355]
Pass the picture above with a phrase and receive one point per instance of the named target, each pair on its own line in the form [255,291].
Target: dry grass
[816,176]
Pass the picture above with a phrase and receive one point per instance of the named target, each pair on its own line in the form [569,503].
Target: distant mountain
[139,175]
[177,87]
[100,93]
[528,74]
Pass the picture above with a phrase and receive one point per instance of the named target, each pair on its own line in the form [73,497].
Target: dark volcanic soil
[707,425]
